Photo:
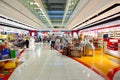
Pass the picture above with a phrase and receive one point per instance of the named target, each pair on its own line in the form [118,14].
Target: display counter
[8,65]
[112,47]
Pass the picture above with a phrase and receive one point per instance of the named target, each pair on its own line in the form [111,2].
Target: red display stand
[112,47]
[112,44]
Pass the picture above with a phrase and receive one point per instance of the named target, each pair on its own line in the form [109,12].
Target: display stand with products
[4,39]
[90,48]
[111,47]
[7,65]
[111,43]
[98,43]
[9,52]
[117,33]
[7,57]
[95,42]
[77,50]
[111,34]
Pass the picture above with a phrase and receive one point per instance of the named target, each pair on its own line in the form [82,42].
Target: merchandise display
[105,39]
[10,46]
[8,62]
[111,47]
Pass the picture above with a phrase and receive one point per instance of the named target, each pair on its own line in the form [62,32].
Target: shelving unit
[5,38]
[95,42]
[111,34]
[114,34]
[117,34]
[11,59]
[98,43]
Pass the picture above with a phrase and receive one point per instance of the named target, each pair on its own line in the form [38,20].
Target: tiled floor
[101,62]
[42,63]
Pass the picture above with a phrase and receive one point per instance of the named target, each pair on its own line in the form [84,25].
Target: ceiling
[55,10]
[59,11]
[56,14]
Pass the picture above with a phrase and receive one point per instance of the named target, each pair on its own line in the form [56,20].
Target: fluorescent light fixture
[36,8]
[31,3]
[37,4]
[34,3]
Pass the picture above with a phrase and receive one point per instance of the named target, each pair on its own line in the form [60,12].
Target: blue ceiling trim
[55,12]
[56,16]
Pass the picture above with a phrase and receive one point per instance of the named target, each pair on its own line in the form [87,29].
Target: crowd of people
[71,45]
[58,42]
[65,42]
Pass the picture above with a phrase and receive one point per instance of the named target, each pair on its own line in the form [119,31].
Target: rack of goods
[98,43]
[8,62]
[111,34]
[7,57]
[4,39]
[117,34]
[95,42]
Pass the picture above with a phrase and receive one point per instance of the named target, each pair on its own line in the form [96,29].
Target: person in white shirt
[57,43]
[52,41]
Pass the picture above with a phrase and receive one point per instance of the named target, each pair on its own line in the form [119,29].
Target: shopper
[52,41]
[27,43]
[57,43]
[40,39]
[92,47]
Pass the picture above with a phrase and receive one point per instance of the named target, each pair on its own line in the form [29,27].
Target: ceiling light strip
[102,12]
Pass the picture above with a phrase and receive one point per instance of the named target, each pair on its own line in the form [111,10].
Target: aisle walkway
[41,63]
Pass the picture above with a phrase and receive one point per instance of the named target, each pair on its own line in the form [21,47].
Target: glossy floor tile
[103,63]
[42,63]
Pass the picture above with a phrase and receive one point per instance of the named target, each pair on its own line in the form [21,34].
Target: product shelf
[10,59]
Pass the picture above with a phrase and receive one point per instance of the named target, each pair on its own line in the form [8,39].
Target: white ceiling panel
[84,10]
